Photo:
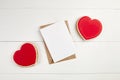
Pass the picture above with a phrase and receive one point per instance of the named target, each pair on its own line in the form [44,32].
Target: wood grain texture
[104,4]
[23,25]
[60,76]
[92,57]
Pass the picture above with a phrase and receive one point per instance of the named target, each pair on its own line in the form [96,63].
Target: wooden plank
[59,4]
[92,57]
[23,24]
[60,76]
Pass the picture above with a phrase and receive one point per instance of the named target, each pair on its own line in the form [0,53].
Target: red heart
[26,56]
[88,28]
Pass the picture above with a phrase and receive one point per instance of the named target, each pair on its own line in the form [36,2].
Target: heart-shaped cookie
[26,56]
[89,28]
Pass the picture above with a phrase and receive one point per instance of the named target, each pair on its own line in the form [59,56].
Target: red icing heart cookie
[88,28]
[26,56]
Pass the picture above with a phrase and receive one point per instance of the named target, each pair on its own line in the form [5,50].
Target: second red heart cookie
[26,56]
[89,28]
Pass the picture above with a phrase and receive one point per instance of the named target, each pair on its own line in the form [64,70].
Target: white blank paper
[58,41]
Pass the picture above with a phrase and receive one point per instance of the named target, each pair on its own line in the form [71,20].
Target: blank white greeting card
[58,41]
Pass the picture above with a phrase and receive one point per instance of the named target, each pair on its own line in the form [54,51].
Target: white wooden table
[97,59]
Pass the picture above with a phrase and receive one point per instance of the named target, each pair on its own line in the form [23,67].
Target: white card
[58,41]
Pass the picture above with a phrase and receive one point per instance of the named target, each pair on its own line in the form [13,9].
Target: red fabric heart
[26,56]
[88,28]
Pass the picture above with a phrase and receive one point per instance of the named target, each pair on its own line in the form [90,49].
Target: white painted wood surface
[97,59]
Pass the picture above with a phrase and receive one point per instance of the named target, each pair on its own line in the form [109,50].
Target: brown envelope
[50,60]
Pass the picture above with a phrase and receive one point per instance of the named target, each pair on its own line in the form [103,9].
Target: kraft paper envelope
[50,59]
